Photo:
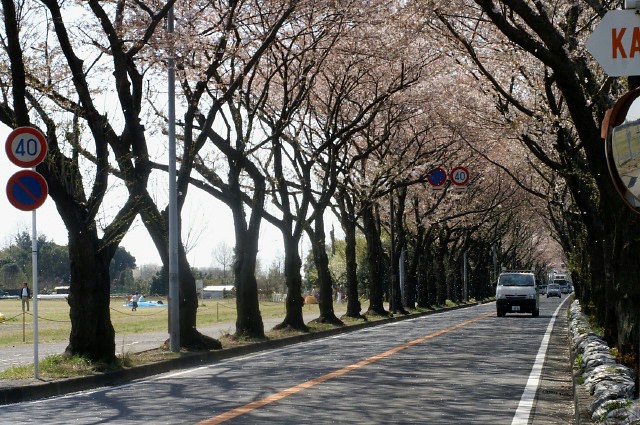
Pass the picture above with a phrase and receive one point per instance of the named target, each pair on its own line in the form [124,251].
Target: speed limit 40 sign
[26,147]
[459,176]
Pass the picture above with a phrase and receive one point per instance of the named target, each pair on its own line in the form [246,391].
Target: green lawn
[54,324]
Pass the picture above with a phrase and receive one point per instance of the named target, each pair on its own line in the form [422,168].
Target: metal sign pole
[34,275]
[27,190]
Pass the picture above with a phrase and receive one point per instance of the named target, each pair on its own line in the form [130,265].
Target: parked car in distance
[563,284]
[553,290]
[542,289]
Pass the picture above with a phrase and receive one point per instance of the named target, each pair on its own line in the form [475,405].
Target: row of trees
[126,276]
[53,264]
[291,110]
[537,78]
[16,263]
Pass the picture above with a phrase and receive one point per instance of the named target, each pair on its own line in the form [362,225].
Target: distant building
[58,292]
[217,291]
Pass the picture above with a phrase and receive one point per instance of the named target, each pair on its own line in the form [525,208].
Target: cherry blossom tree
[52,83]
[556,97]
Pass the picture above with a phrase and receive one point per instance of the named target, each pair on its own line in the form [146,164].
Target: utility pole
[465,290]
[174,289]
[495,263]
[392,303]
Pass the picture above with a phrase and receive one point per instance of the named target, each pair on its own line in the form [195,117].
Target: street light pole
[174,289]
[465,290]
[392,303]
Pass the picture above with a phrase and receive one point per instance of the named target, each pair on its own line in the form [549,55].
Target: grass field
[54,324]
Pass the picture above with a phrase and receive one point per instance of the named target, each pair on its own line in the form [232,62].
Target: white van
[517,292]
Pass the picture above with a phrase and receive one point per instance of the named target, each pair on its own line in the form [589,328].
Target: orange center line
[234,413]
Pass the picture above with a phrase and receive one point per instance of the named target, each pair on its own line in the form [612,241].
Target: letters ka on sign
[615,43]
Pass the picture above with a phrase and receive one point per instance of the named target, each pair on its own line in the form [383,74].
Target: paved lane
[461,367]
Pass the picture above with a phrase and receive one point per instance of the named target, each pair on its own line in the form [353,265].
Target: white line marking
[528,396]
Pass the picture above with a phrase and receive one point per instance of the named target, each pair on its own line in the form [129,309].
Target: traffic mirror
[621,127]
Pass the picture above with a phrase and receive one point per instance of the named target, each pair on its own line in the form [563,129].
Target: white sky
[202,214]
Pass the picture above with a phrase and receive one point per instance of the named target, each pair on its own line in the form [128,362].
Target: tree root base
[357,316]
[196,341]
[286,326]
[381,312]
[328,320]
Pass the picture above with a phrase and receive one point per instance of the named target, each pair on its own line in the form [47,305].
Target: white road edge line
[528,396]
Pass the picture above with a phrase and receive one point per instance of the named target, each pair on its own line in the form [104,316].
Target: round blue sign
[27,190]
[437,177]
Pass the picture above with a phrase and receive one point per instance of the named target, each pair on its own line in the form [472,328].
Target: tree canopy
[294,110]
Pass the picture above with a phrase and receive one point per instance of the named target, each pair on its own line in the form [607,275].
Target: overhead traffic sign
[27,190]
[26,147]
[615,43]
[437,177]
[459,176]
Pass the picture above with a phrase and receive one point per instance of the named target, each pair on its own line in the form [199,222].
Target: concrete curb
[581,397]
[42,390]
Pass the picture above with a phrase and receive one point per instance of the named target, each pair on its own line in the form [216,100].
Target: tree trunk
[427,291]
[319,248]
[479,276]
[157,226]
[449,267]
[430,286]
[92,334]
[620,289]
[292,263]
[411,284]
[349,223]
[353,300]
[422,282]
[399,242]
[249,320]
[625,297]
[440,276]
[190,337]
[375,261]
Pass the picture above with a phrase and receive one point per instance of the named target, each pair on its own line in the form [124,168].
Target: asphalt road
[460,367]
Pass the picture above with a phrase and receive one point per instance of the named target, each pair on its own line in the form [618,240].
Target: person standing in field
[25,295]
[134,302]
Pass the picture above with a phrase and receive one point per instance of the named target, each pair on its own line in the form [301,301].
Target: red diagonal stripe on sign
[27,191]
